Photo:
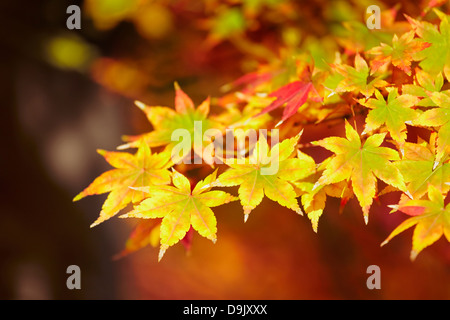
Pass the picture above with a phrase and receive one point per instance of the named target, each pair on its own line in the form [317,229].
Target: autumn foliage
[397,87]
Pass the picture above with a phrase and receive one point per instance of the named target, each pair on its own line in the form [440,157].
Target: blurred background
[66,93]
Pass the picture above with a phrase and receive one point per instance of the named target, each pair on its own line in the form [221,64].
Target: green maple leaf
[438,118]
[419,169]
[431,219]
[180,207]
[358,78]
[435,58]
[361,164]
[138,170]
[166,121]
[314,201]
[393,113]
[255,178]
[424,83]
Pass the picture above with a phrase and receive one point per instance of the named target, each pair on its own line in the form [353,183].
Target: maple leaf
[180,208]
[358,78]
[138,170]
[294,94]
[355,36]
[400,54]
[424,84]
[256,178]
[438,117]
[314,201]
[361,164]
[419,168]
[145,233]
[166,121]
[431,219]
[249,82]
[245,118]
[432,4]
[435,58]
[393,113]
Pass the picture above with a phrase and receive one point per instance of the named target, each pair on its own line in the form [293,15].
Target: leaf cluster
[393,88]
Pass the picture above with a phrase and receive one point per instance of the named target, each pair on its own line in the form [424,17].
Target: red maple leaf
[294,94]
